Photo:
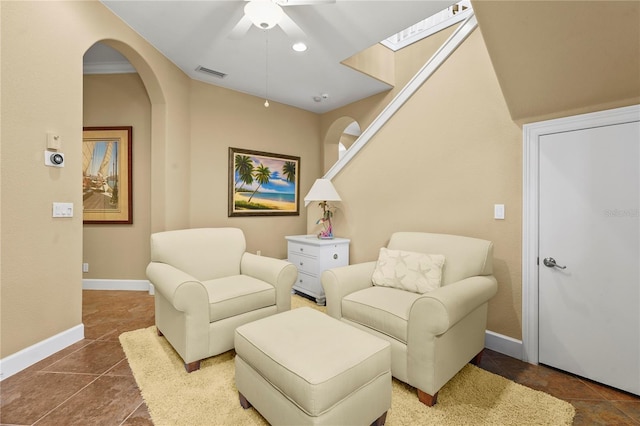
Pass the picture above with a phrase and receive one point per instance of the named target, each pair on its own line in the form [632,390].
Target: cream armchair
[206,285]
[432,335]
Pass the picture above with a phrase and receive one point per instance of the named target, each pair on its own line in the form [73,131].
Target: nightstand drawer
[304,264]
[304,249]
[309,282]
[310,286]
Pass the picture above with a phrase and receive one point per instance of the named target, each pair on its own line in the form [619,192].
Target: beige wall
[406,63]
[377,61]
[439,165]
[41,92]
[220,119]
[42,48]
[121,251]
[559,58]
[180,148]
[41,257]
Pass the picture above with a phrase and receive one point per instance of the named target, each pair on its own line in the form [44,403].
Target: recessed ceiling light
[299,47]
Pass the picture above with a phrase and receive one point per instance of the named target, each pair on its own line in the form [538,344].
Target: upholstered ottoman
[302,367]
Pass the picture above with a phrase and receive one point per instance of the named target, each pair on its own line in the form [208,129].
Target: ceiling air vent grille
[211,72]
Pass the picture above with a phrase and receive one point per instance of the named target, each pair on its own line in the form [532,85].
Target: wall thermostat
[53,159]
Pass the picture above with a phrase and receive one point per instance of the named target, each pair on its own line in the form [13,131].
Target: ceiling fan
[265,14]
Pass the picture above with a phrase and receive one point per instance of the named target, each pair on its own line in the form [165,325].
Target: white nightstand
[311,256]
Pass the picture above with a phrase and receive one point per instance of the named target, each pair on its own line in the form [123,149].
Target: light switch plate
[498,211]
[62,209]
[54,141]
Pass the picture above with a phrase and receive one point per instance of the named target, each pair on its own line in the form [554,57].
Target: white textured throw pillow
[411,271]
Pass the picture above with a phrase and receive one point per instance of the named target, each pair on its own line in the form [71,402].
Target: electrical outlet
[259,252]
[498,211]
[85,267]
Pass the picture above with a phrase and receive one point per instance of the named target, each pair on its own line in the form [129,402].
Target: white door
[589,217]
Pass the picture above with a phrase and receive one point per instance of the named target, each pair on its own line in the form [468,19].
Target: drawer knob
[301,264]
[301,249]
[335,256]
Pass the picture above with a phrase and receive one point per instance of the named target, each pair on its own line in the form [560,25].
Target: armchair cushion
[383,309]
[407,270]
[235,295]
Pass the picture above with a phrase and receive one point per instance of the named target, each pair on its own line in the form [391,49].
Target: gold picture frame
[107,196]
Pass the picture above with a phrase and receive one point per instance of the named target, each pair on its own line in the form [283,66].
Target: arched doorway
[114,95]
[339,138]
[349,136]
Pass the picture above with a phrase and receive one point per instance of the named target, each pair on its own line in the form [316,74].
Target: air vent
[211,72]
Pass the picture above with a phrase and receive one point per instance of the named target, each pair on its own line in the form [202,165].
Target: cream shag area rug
[209,396]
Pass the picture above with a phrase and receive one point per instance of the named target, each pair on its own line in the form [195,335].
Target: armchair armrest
[279,273]
[442,308]
[183,291]
[339,282]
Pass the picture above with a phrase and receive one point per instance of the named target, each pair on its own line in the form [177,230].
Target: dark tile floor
[90,383]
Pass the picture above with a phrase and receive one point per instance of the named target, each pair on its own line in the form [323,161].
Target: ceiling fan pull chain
[266,70]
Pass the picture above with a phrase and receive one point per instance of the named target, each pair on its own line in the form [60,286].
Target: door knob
[550,262]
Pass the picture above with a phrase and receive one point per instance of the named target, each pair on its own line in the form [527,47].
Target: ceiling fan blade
[241,28]
[290,27]
[303,2]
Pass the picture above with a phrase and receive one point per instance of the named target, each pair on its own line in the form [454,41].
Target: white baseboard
[504,344]
[20,360]
[131,285]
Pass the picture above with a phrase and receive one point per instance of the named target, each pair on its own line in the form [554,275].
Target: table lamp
[323,191]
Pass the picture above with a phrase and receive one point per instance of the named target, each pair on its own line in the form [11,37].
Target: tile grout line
[89,343]
[603,401]
[132,412]
[596,387]
[73,373]
[66,400]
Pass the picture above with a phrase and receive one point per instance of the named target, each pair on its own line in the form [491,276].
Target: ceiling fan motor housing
[263,14]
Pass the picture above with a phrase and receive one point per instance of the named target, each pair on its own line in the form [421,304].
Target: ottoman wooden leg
[426,399]
[380,420]
[192,366]
[244,402]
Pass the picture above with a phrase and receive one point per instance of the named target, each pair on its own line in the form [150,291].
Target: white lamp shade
[322,190]
[263,13]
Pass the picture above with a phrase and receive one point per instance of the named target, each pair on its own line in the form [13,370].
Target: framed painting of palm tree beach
[106,175]
[263,184]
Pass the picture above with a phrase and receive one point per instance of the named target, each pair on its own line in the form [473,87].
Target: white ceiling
[196,33]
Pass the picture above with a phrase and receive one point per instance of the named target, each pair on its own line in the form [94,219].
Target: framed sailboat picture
[106,175]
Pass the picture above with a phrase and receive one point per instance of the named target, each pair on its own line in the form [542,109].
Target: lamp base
[327,234]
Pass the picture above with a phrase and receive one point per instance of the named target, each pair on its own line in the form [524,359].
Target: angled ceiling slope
[555,58]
